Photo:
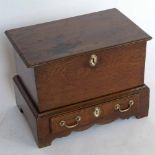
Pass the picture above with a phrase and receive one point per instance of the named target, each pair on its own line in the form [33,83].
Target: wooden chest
[78,71]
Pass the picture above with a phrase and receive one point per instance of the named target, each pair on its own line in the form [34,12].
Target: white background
[122,137]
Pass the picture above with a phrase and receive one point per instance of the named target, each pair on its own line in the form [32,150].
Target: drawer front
[101,113]
[90,75]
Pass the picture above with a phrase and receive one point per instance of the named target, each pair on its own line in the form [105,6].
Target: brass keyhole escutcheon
[93,60]
[97,112]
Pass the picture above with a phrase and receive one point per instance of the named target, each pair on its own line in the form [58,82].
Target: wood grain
[61,75]
[45,42]
[71,80]
[45,126]
[108,112]
[56,82]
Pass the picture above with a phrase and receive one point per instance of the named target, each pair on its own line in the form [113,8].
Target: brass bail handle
[118,107]
[77,120]
[93,60]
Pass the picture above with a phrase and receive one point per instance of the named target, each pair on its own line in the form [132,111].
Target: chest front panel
[73,79]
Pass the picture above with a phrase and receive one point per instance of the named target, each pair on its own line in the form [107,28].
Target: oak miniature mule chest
[76,72]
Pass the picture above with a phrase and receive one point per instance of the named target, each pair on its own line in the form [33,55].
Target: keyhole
[94,60]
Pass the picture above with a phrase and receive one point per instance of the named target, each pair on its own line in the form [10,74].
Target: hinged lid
[41,43]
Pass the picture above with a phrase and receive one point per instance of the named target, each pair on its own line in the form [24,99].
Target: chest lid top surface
[41,43]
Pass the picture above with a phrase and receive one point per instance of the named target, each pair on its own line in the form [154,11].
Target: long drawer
[104,112]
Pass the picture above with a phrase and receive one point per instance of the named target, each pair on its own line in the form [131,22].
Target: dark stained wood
[41,43]
[71,80]
[45,126]
[28,110]
[107,113]
[55,81]
[28,78]
[143,107]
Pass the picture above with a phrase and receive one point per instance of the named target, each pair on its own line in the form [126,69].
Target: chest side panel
[27,77]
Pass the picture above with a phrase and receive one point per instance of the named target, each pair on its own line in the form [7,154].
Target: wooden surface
[108,112]
[63,85]
[28,77]
[45,126]
[71,80]
[45,42]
